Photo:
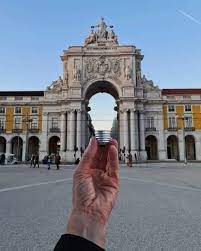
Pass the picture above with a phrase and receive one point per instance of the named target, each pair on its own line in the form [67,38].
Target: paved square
[159,206]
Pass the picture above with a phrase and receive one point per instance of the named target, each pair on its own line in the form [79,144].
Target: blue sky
[34,33]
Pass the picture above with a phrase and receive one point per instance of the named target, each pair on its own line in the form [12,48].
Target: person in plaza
[77,161]
[57,160]
[49,159]
[95,190]
[32,160]
[129,159]
[36,161]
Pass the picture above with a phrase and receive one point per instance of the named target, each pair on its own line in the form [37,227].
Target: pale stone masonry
[152,124]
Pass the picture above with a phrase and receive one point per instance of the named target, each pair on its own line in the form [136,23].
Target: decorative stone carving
[101,35]
[128,72]
[77,73]
[102,66]
[56,85]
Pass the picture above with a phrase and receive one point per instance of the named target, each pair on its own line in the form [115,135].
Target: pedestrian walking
[32,160]
[129,159]
[57,160]
[49,161]
[36,161]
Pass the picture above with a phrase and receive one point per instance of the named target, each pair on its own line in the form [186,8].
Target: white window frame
[186,106]
[150,122]
[34,123]
[188,121]
[2,123]
[20,110]
[55,121]
[4,110]
[170,106]
[34,107]
[172,122]
[18,125]
[18,98]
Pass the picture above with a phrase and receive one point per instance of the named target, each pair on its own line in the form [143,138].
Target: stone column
[72,130]
[121,129]
[161,142]
[8,147]
[83,129]
[143,154]
[24,150]
[198,149]
[79,129]
[181,144]
[44,137]
[132,130]
[125,117]
[63,131]
[142,134]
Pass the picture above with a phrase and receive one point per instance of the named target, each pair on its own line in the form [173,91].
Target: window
[3,97]
[55,122]
[2,123]
[34,98]
[18,98]
[17,123]
[187,97]
[150,122]
[34,110]
[188,122]
[172,122]
[170,108]
[34,123]
[18,110]
[2,110]
[187,108]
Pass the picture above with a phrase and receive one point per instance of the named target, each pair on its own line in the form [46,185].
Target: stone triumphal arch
[100,65]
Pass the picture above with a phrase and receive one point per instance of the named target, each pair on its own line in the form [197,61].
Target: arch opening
[17,147]
[190,147]
[33,146]
[151,146]
[101,87]
[172,147]
[54,145]
[2,145]
[102,107]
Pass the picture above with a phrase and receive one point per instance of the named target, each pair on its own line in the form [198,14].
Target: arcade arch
[17,147]
[33,146]
[172,147]
[190,147]
[2,145]
[54,144]
[151,146]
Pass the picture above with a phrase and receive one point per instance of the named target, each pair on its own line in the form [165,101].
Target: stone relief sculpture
[56,85]
[128,72]
[77,73]
[102,66]
[101,35]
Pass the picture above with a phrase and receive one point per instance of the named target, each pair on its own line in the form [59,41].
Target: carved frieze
[102,66]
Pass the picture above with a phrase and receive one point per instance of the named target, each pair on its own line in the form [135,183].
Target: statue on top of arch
[101,35]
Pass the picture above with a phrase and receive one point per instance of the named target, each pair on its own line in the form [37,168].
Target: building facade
[153,124]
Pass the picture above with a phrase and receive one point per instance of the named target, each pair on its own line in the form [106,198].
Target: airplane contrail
[190,17]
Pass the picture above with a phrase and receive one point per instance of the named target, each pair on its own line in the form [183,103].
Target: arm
[95,189]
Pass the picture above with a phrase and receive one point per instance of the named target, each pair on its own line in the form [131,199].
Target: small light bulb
[102,136]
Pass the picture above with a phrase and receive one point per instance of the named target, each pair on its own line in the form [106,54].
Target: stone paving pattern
[159,208]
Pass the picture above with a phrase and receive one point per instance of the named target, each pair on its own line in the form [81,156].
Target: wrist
[82,224]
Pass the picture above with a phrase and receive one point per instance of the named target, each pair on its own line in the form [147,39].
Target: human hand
[95,189]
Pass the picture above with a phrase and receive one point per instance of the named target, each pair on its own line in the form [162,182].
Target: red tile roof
[181,91]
